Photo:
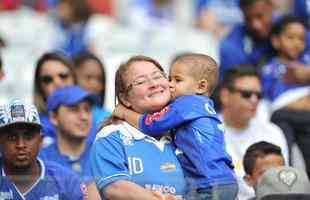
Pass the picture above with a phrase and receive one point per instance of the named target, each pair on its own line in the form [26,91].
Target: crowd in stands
[86,64]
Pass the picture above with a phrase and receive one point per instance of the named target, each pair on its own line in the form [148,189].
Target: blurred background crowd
[113,29]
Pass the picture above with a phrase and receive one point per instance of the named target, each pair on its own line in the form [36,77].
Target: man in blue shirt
[248,43]
[23,175]
[69,110]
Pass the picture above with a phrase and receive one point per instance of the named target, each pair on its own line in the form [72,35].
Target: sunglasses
[247,93]
[47,79]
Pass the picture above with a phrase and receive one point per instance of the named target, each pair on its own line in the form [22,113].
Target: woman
[91,76]
[126,162]
[52,71]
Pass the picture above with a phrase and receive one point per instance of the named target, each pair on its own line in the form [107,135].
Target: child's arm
[126,114]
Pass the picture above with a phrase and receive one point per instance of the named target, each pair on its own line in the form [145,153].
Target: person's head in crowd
[240,92]
[258,17]
[69,109]
[193,73]
[1,70]
[52,71]
[288,37]
[258,158]
[20,137]
[141,85]
[282,183]
[73,11]
[90,75]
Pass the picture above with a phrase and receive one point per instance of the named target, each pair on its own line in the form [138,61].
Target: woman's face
[89,76]
[54,74]
[147,87]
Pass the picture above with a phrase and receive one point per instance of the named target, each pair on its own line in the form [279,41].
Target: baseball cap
[19,112]
[279,182]
[66,95]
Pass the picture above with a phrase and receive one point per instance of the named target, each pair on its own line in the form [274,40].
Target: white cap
[19,112]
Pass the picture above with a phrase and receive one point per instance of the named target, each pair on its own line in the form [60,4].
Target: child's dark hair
[258,150]
[281,25]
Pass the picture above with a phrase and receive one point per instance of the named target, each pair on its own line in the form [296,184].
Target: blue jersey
[80,165]
[54,183]
[301,9]
[274,88]
[121,152]
[239,48]
[199,137]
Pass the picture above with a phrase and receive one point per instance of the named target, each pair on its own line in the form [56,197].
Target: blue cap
[66,95]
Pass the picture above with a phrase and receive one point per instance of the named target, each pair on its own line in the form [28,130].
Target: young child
[258,158]
[284,85]
[289,39]
[198,130]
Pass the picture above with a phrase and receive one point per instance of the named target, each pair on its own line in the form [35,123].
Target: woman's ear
[275,41]
[202,87]
[124,101]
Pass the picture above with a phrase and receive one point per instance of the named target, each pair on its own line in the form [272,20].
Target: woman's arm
[92,191]
[125,190]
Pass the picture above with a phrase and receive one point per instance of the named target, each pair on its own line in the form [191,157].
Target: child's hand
[296,73]
[119,111]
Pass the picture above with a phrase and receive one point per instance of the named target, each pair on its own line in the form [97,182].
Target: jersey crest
[156,116]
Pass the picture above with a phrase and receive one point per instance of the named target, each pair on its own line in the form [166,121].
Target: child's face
[261,165]
[291,42]
[181,80]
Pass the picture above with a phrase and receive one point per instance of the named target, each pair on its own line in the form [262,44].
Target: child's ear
[202,87]
[124,101]
[249,180]
[275,41]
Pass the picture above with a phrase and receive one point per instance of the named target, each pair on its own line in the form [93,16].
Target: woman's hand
[161,196]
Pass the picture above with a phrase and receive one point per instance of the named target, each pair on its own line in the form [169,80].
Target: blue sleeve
[180,111]
[108,160]
[300,9]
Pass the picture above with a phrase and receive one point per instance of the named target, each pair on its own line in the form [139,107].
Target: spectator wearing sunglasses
[240,93]
[52,71]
